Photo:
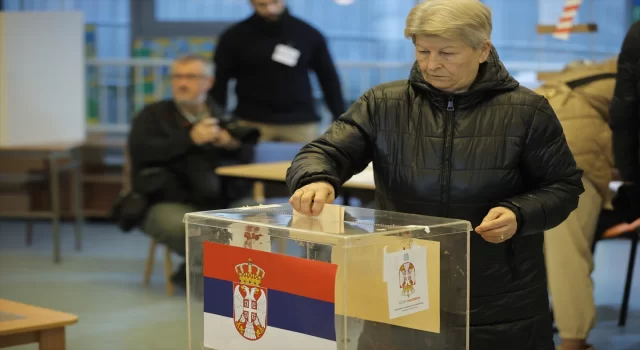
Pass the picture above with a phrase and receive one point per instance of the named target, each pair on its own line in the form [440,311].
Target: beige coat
[584,115]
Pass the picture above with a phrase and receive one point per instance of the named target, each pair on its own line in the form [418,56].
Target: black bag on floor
[129,210]
[148,186]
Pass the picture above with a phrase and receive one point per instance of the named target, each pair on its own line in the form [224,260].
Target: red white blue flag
[255,300]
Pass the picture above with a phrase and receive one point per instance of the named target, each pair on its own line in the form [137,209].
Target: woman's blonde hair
[465,20]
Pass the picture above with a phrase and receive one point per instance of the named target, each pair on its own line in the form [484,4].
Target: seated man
[175,146]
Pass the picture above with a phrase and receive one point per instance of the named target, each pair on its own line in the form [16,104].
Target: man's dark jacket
[458,156]
[160,139]
[625,110]
[625,125]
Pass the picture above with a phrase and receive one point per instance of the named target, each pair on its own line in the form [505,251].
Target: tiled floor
[103,286]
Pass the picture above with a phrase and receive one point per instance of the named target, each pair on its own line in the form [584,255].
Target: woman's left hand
[499,225]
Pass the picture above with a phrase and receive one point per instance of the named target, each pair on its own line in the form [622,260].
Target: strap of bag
[590,79]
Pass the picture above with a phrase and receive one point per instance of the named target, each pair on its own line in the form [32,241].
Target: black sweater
[268,91]
[625,108]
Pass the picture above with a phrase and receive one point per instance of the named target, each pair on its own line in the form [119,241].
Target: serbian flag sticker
[255,300]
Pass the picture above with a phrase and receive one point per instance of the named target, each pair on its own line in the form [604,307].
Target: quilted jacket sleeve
[551,173]
[625,110]
[344,150]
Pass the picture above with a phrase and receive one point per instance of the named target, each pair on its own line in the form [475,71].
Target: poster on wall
[90,42]
[549,11]
[635,10]
[155,81]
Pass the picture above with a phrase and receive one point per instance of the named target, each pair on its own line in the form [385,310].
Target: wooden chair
[611,227]
[168,267]
[621,231]
[148,269]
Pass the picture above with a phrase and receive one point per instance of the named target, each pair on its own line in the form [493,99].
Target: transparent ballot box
[267,277]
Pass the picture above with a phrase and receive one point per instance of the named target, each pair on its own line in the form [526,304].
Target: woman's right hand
[310,199]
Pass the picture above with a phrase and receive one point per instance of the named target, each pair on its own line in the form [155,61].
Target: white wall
[42,73]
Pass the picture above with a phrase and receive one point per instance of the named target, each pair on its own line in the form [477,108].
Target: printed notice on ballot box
[405,273]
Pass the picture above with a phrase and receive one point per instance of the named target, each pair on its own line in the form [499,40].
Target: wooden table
[53,153]
[277,172]
[24,324]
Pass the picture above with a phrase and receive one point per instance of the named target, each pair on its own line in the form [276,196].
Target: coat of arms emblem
[407,276]
[251,235]
[250,301]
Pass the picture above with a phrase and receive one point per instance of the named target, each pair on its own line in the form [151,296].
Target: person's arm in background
[150,144]
[550,171]
[325,70]
[624,112]
[344,150]
[224,70]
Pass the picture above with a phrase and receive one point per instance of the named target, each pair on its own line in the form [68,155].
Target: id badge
[286,55]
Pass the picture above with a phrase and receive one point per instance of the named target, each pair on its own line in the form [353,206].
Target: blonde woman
[460,138]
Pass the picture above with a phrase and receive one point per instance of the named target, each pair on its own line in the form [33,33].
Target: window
[515,37]
[365,30]
[109,20]
[201,10]
[360,35]
[107,35]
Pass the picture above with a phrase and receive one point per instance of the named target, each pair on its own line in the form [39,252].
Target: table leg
[78,202]
[346,197]
[53,339]
[282,244]
[54,189]
[28,235]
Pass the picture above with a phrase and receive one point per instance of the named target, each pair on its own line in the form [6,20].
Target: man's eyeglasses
[187,76]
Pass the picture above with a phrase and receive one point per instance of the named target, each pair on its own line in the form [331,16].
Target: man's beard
[273,19]
[192,102]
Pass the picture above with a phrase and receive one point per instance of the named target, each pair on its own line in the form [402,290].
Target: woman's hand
[499,225]
[309,199]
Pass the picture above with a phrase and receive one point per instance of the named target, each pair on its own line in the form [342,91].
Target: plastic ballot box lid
[268,277]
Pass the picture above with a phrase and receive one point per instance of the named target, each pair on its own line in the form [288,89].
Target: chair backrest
[266,152]
[126,171]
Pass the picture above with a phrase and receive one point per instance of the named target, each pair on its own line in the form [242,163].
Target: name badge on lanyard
[286,55]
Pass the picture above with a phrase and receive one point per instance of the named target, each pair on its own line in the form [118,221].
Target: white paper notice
[286,55]
[405,273]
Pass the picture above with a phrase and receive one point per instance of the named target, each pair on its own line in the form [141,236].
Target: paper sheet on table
[365,176]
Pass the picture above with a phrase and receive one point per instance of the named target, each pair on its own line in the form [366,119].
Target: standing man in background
[270,55]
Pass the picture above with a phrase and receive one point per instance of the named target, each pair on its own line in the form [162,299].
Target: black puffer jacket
[457,156]
[625,112]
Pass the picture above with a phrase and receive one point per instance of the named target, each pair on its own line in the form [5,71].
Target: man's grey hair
[208,66]
[465,20]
